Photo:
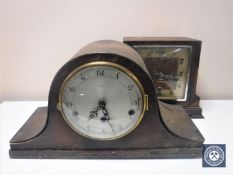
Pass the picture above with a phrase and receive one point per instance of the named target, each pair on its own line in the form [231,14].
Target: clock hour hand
[94,113]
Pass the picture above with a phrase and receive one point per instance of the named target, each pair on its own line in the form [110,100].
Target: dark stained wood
[177,121]
[159,153]
[162,39]
[33,127]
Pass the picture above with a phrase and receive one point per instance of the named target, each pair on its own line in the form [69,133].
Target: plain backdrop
[39,36]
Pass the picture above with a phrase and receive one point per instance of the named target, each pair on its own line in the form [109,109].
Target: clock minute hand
[105,112]
[107,118]
[102,105]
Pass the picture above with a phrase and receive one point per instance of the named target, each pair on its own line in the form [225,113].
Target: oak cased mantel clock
[173,65]
[103,105]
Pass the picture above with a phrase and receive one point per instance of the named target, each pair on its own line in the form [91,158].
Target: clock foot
[194,112]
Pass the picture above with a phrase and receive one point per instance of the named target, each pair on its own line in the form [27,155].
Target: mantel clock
[103,105]
[173,65]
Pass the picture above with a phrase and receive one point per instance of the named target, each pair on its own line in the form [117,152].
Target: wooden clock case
[191,104]
[166,131]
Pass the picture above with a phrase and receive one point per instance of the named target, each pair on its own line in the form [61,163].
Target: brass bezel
[116,66]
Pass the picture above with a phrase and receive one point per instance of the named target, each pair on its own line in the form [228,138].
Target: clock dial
[102,100]
[168,66]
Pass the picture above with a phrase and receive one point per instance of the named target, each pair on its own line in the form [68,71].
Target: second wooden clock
[173,65]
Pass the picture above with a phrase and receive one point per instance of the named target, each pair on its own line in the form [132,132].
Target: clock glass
[169,68]
[102,100]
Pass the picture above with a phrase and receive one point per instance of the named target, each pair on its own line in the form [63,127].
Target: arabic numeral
[136,102]
[72,89]
[181,61]
[83,77]
[100,72]
[117,75]
[130,87]
[149,54]
[68,104]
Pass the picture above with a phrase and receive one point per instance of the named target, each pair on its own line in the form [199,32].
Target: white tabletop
[217,128]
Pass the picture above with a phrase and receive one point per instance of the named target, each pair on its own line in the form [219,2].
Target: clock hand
[101,106]
[106,118]
[94,113]
[105,112]
[111,127]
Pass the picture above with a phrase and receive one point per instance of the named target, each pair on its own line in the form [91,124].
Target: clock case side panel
[191,104]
